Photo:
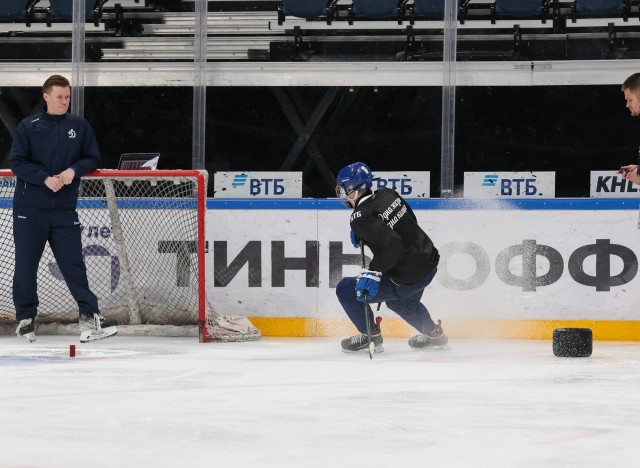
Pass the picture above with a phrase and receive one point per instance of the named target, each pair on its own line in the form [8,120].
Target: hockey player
[404,261]
[49,154]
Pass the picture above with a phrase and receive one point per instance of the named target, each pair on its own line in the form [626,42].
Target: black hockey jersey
[401,249]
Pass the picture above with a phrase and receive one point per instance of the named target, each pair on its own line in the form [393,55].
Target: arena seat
[307,9]
[62,10]
[13,10]
[521,9]
[518,8]
[434,9]
[601,7]
[375,9]
[611,16]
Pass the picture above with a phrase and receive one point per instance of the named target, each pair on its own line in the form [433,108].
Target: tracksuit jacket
[46,145]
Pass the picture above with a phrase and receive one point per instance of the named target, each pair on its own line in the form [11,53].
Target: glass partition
[246,85]
[571,130]
[318,130]
[540,89]
[142,120]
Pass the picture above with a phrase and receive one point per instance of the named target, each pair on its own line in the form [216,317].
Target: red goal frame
[201,184]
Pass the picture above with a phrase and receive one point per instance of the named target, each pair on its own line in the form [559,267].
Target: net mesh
[143,245]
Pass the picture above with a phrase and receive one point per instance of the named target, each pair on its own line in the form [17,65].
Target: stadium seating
[17,10]
[307,9]
[434,9]
[521,9]
[601,7]
[12,10]
[160,30]
[518,8]
[62,10]
[429,8]
[375,9]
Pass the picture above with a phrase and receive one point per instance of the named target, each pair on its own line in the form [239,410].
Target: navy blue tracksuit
[46,145]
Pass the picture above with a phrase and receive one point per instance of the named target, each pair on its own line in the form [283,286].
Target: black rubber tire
[572,342]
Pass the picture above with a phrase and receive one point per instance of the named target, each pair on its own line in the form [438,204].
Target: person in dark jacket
[51,151]
[631,90]
[404,262]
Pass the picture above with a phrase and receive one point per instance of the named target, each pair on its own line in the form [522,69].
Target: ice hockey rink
[289,402]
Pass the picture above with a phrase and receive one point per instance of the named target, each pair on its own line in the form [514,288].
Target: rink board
[512,268]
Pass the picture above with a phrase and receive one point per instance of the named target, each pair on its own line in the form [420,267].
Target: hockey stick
[366,307]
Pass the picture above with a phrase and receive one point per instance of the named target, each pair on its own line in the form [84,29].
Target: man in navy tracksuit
[50,152]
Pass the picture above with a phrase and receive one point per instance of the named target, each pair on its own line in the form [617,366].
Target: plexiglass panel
[279,90]
[318,130]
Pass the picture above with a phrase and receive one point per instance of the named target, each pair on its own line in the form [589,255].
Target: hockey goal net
[143,236]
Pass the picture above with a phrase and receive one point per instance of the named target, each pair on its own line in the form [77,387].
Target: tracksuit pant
[403,299]
[32,229]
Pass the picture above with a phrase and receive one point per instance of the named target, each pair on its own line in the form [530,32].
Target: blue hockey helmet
[354,177]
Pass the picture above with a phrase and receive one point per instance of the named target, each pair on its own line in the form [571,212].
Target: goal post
[143,236]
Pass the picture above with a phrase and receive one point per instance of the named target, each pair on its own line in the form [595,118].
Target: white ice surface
[139,401]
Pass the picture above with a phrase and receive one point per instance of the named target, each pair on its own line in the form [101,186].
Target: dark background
[568,129]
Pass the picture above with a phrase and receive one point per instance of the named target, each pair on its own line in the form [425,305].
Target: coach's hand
[54,183]
[67,176]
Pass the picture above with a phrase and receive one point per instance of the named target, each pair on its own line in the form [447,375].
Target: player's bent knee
[346,287]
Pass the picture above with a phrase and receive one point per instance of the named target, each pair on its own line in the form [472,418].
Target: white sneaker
[27,329]
[96,327]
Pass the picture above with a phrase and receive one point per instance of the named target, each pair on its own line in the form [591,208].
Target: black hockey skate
[360,343]
[27,329]
[96,327]
[434,339]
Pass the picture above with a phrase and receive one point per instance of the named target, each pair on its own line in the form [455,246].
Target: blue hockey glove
[368,282]
[354,239]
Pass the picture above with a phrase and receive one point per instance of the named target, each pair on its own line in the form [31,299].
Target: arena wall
[509,268]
